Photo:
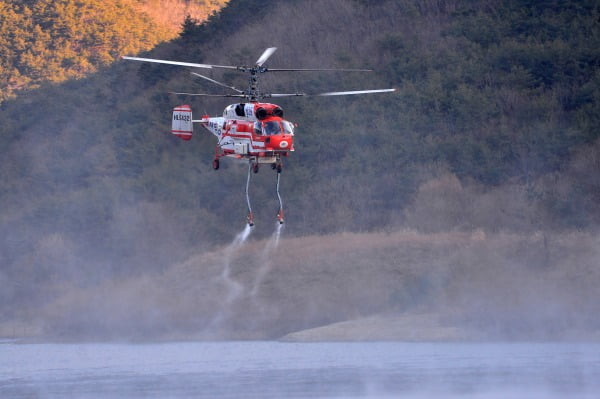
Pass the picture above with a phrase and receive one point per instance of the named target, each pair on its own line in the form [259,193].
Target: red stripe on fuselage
[238,136]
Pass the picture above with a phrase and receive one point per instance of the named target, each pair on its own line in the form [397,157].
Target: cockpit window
[288,127]
[257,128]
[271,128]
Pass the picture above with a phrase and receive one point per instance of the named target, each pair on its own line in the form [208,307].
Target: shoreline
[408,328]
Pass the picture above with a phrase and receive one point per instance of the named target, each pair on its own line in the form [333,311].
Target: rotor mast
[253,91]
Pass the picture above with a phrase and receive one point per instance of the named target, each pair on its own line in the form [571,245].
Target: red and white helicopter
[251,130]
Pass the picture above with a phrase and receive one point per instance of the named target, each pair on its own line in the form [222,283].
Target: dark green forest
[495,126]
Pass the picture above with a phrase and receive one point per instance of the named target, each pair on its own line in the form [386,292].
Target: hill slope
[493,127]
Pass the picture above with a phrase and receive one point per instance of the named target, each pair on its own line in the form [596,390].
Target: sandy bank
[418,327]
[410,327]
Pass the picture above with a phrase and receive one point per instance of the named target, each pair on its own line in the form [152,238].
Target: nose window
[271,128]
[288,127]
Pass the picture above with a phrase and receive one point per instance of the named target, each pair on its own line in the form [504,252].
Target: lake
[300,370]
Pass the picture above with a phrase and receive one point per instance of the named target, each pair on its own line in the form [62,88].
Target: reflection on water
[294,370]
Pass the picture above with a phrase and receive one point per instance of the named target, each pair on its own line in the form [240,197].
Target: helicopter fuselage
[255,131]
[252,130]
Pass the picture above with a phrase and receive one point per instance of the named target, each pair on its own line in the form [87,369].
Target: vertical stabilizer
[181,125]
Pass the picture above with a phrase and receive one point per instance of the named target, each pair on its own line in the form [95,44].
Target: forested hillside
[494,127]
[52,41]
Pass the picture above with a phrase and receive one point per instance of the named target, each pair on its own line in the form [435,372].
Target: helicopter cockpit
[273,127]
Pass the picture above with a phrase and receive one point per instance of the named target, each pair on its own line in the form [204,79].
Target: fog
[308,370]
[472,285]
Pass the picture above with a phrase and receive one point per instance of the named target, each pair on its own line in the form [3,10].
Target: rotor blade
[265,56]
[188,64]
[216,82]
[316,70]
[346,93]
[208,95]
[333,93]
[284,95]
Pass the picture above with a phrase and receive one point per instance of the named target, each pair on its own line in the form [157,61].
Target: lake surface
[299,370]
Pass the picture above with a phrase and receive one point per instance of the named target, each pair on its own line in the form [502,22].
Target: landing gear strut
[215,162]
[278,166]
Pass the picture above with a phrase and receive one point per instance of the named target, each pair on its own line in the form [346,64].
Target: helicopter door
[181,125]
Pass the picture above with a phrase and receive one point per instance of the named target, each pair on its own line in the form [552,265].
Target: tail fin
[182,125]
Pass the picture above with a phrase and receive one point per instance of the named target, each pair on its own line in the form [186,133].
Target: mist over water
[289,370]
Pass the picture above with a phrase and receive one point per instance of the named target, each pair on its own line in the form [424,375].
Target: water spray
[234,289]
[265,259]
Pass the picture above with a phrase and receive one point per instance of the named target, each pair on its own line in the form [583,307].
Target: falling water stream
[265,259]
[233,288]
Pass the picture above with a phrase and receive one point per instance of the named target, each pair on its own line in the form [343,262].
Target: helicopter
[250,130]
